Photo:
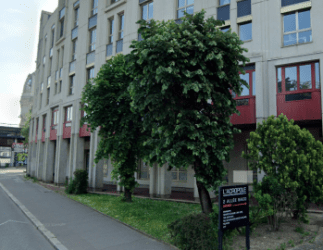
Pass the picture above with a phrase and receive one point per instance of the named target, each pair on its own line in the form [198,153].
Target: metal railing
[74,33]
[109,49]
[90,57]
[119,45]
[93,21]
[72,66]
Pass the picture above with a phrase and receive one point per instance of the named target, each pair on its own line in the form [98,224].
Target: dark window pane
[279,80]
[249,67]
[291,78]
[224,13]
[304,19]
[290,2]
[245,90]
[246,32]
[305,36]
[242,102]
[297,97]
[305,77]
[290,39]
[317,76]
[244,8]
[225,29]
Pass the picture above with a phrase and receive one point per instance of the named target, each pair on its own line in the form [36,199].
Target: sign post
[233,210]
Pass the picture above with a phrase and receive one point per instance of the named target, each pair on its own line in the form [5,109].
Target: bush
[199,231]
[7,165]
[79,184]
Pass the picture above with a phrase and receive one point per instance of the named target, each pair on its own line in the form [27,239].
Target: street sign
[233,210]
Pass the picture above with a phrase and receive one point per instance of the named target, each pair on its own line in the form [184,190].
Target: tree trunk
[127,195]
[205,199]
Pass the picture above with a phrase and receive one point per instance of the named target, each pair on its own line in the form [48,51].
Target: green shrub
[79,184]
[7,165]
[199,231]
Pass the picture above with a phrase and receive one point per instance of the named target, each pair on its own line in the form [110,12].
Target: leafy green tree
[25,129]
[290,154]
[178,70]
[108,107]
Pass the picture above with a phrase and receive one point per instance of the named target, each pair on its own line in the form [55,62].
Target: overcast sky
[19,28]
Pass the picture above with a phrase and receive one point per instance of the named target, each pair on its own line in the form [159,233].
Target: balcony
[67,130]
[247,108]
[90,57]
[72,66]
[83,131]
[51,52]
[109,49]
[93,21]
[53,133]
[74,33]
[43,135]
[119,46]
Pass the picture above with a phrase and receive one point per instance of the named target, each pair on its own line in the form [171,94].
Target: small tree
[108,107]
[290,154]
[178,70]
[25,129]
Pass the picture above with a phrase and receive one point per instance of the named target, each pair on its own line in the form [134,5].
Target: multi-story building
[283,38]
[26,100]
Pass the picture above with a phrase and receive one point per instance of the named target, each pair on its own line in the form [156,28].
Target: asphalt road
[16,230]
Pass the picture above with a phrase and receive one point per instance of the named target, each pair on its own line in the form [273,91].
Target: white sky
[19,29]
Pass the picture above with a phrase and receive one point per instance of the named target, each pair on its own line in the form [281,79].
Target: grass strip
[149,216]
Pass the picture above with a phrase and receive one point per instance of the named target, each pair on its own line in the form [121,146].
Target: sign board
[18,145]
[233,210]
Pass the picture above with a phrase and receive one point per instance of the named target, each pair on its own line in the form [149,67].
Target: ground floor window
[143,171]
[179,174]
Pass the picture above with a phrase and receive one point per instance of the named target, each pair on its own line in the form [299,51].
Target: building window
[92,39]
[40,100]
[68,114]
[298,81]
[225,29]
[185,5]
[297,27]
[290,2]
[90,74]
[94,7]
[179,174]
[53,34]
[111,22]
[55,90]
[224,2]
[76,16]
[245,31]
[244,8]
[61,28]
[74,50]
[60,86]
[71,87]
[144,171]
[121,27]
[44,59]
[147,11]
[250,78]
[114,1]
[48,94]
[55,116]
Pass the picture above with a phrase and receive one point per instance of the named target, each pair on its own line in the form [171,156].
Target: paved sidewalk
[75,225]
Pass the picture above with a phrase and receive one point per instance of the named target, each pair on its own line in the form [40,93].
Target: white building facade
[283,38]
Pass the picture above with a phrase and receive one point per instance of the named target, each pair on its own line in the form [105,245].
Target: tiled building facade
[283,38]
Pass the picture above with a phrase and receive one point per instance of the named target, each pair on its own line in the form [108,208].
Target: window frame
[178,171]
[146,3]
[92,45]
[48,95]
[71,85]
[252,88]
[298,90]
[296,31]
[76,16]
[140,171]
[74,47]
[55,114]
[69,114]
[244,23]
[121,26]
[184,7]
[94,9]
[111,30]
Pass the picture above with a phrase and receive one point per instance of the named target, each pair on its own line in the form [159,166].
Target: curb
[45,232]
[141,232]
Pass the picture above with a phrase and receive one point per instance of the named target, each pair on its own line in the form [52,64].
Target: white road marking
[13,221]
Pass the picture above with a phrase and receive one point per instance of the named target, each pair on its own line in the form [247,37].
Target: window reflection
[245,90]
[291,78]
[305,77]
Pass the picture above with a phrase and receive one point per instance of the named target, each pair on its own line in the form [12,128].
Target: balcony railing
[60,72]
[74,33]
[90,57]
[72,66]
[93,21]
[51,52]
[109,49]
[56,75]
[119,45]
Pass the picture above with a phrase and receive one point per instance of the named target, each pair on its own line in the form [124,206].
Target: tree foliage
[107,105]
[25,129]
[290,154]
[177,69]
